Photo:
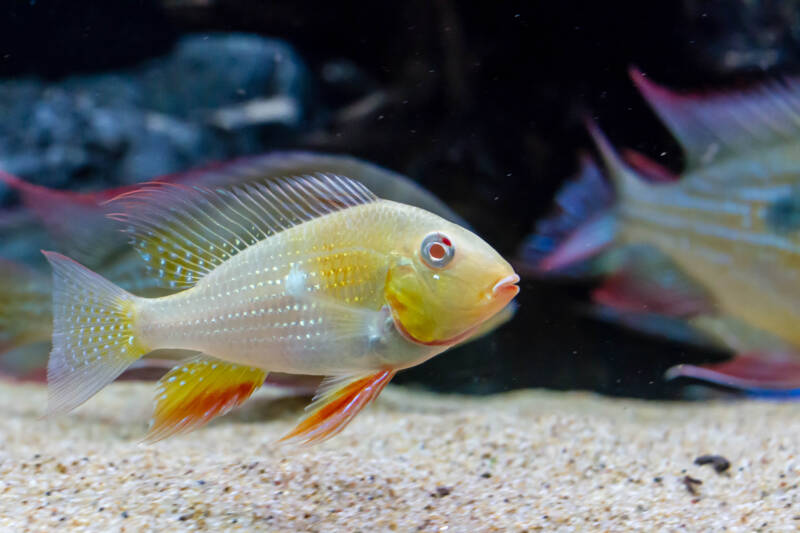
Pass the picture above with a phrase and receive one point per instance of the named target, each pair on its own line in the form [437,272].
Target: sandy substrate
[535,461]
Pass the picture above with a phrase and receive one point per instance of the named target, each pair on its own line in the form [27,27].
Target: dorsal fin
[183,232]
[382,181]
[627,182]
[716,125]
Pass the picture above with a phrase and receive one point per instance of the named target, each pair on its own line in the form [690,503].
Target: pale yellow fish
[308,275]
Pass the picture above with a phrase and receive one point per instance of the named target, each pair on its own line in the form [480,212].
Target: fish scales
[303,275]
[247,311]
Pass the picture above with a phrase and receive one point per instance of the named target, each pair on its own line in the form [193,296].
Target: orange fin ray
[193,393]
[338,400]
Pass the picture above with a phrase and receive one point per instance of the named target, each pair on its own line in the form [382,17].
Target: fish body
[723,237]
[282,304]
[309,275]
[717,247]
[96,241]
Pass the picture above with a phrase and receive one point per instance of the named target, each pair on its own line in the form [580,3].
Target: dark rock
[158,118]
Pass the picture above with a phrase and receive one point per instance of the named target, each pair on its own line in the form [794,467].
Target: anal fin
[337,401]
[758,373]
[193,393]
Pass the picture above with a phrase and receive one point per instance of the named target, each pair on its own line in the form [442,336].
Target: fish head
[445,281]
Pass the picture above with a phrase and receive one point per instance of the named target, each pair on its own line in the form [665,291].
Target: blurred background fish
[710,256]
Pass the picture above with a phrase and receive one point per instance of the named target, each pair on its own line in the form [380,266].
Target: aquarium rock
[212,97]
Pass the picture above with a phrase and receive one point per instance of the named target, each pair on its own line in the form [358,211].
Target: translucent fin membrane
[193,393]
[753,372]
[258,169]
[183,233]
[94,338]
[568,235]
[75,221]
[713,125]
[337,401]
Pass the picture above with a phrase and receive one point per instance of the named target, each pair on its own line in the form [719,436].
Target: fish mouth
[506,286]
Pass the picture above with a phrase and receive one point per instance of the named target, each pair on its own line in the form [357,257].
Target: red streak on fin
[647,168]
[336,405]
[650,282]
[192,394]
[625,292]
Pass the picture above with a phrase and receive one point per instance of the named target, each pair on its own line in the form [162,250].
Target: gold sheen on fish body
[305,275]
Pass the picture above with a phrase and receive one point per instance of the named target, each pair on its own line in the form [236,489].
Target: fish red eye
[437,250]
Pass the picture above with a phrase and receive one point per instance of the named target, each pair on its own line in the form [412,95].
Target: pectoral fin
[193,393]
[337,401]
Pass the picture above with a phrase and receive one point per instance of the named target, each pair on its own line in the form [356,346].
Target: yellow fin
[94,334]
[183,232]
[193,393]
[338,400]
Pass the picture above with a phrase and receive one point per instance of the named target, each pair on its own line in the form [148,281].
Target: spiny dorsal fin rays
[717,124]
[384,182]
[183,232]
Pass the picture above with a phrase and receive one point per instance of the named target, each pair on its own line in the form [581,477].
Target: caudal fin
[94,334]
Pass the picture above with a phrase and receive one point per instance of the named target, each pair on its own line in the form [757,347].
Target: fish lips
[507,287]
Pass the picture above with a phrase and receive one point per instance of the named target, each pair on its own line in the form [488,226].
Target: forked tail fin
[94,334]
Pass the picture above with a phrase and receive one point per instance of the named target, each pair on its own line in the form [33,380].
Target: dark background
[479,101]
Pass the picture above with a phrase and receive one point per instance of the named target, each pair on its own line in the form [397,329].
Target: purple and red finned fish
[711,255]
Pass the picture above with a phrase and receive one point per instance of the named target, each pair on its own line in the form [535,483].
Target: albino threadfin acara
[309,275]
[94,241]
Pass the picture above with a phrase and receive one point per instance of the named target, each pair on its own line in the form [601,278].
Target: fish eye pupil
[437,251]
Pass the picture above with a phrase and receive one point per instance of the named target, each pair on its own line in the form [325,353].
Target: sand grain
[531,460]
